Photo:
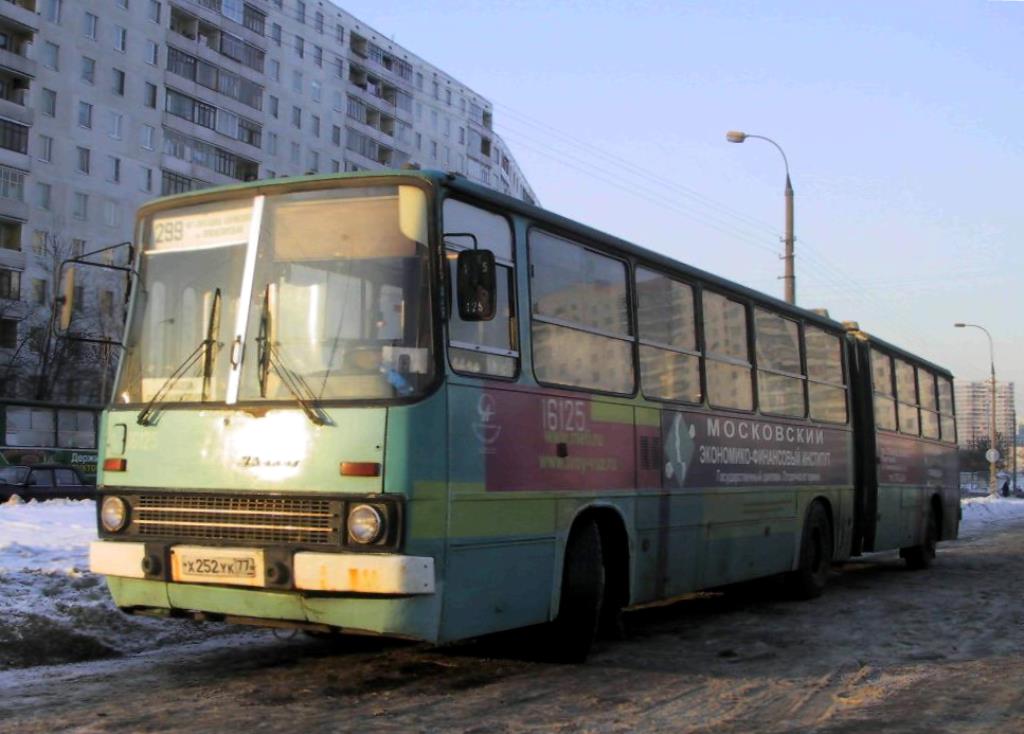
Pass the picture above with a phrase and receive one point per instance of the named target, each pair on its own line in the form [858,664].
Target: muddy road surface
[884,650]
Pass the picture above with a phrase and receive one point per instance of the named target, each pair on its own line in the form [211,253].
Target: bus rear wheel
[583,582]
[919,557]
[808,580]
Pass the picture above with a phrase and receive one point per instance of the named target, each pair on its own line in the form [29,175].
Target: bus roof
[459,183]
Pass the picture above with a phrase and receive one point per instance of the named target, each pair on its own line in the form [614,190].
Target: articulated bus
[399,403]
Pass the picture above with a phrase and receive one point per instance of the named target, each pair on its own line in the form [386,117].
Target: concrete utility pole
[735,136]
[992,454]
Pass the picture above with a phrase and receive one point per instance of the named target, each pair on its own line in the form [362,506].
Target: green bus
[47,432]
[399,403]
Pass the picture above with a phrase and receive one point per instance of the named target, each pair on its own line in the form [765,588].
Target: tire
[572,633]
[809,579]
[920,557]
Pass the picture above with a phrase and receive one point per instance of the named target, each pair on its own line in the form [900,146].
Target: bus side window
[885,397]
[580,316]
[669,357]
[780,382]
[929,408]
[483,347]
[728,368]
[906,395]
[947,420]
[826,389]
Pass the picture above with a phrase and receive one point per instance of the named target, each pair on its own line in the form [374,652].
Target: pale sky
[902,123]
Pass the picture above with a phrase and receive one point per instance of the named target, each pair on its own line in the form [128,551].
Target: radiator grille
[249,519]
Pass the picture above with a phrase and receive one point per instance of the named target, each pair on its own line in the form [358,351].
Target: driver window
[482,347]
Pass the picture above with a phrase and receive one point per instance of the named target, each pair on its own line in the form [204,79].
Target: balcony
[17,112]
[20,16]
[18,64]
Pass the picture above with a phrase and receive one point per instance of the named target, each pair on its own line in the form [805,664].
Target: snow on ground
[52,609]
[980,512]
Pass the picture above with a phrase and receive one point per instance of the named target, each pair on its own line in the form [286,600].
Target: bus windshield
[329,301]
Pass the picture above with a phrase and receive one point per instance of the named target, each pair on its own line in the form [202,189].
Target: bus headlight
[365,524]
[113,514]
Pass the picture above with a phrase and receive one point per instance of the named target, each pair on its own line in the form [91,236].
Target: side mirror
[67,299]
[477,285]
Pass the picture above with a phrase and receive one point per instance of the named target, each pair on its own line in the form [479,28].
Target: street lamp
[992,456]
[735,136]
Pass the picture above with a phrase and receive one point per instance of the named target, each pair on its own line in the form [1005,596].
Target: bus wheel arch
[919,557]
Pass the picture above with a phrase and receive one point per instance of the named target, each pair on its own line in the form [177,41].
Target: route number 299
[168,231]
[561,414]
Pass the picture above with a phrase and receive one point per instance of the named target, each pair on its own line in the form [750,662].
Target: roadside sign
[992,456]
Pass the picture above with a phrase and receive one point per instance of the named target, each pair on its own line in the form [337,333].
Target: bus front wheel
[583,583]
[808,580]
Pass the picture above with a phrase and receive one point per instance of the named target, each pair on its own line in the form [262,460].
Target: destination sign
[201,228]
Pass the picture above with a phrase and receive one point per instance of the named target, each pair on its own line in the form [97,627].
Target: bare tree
[48,363]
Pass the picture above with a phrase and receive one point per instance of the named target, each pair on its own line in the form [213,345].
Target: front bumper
[358,573]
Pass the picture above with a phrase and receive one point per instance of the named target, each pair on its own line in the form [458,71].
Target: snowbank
[980,512]
[52,609]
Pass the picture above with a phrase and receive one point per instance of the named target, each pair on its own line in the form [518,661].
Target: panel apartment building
[105,104]
[973,411]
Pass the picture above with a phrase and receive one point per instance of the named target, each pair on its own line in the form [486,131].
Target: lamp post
[992,456]
[735,136]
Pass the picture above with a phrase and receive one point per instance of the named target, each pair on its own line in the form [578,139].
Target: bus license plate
[235,566]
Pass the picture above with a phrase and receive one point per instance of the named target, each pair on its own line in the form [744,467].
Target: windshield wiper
[269,358]
[148,414]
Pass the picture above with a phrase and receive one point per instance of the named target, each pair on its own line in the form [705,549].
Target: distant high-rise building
[105,104]
[973,410]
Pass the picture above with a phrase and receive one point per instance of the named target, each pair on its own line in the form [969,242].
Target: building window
[8,333]
[297,117]
[45,148]
[12,184]
[273,106]
[118,86]
[339,33]
[154,11]
[297,82]
[275,33]
[152,53]
[49,102]
[116,125]
[90,25]
[296,150]
[149,97]
[88,70]
[318,56]
[146,137]
[300,46]
[120,39]
[80,206]
[113,169]
[52,10]
[272,143]
[317,90]
[10,284]
[10,235]
[316,126]
[84,115]
[274,70]
[50,55]
[84,160]
[40,291]
[111,213]
[318,22]
[147,179]
[13,136]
